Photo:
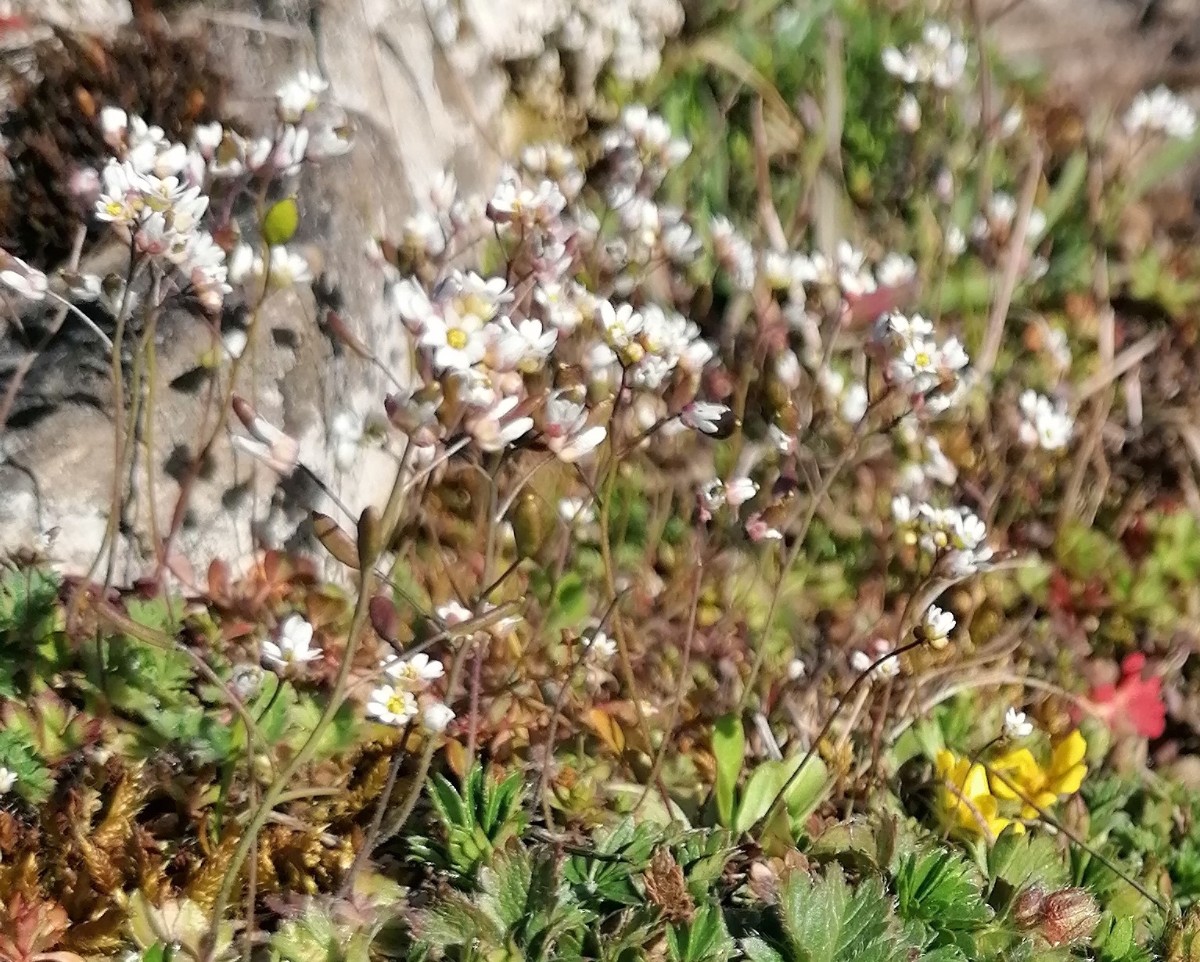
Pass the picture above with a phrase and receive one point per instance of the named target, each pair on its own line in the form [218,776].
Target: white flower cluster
[492,345]
[1044,423]
[152,192]
[955,536]
[406,694]
[1160,111]
[939,58]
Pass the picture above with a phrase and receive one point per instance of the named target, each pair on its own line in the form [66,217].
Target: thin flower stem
[1070,835]
[385,796]
[628,677]
[680,689]
[825,729]
[278,788]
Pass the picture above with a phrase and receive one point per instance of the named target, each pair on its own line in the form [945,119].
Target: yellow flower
[965,798]
[1017,775]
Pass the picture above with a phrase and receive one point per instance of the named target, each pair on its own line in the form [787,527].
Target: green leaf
[769,780]
[729,749]
[759,951]
[280,223]
[570,606]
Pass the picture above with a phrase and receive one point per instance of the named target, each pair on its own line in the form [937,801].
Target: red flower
[1133,704]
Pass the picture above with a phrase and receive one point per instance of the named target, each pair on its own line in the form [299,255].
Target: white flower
[293,646]
[452,613]
[392,705]
[706,417]
[1160,111]
[861,661]
[8,779]
[495,429]
[120,194]
[299,95]
[415,673]
[522,347]
[458,340]
[854,403]
[600,647]
[436,716]
[565,428]
[577,513]
[939,58]
[936,626]
[740,490]
[796,670]
[620,324]
[1044,424]
[1016,725]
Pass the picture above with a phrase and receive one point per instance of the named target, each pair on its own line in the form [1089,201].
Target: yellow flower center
[923,360]
[396,704]
[456,338]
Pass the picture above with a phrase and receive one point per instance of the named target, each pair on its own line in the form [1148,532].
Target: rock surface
[423,82]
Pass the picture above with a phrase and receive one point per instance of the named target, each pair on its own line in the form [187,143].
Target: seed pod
[529,529]
[1069,916]
[370,538]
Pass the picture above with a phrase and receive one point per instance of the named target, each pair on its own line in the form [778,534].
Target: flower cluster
[955,536]
[1044,424]
[152,192]
[407,693]
[939,58]
[531,355]
[983,799]
[1160,111]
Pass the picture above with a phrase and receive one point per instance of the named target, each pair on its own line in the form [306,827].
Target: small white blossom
[705,417]
[415,673]
[1044,424]
[436,716]
[299,95]
[600,647]
[1016,725]
[8,779]
[936,625]
[392,705]
[565,428]
[293,645]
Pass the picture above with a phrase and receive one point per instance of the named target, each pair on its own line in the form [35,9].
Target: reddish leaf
[1133,704]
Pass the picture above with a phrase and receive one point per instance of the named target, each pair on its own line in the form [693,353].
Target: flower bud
[1027,908]
[1069,916]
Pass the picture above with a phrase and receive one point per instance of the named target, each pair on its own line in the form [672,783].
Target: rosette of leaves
[476,822]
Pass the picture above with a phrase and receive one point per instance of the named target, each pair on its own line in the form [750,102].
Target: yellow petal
[945,762]
[1069,752]
[1068,783]
[1016,772]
